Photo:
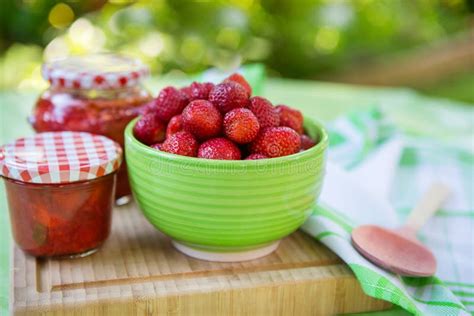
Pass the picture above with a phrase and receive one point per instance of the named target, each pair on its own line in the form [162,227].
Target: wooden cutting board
[137,271]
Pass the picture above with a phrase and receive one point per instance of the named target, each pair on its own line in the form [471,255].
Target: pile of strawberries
[221,121]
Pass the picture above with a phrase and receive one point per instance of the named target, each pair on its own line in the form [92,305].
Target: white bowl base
[226,256]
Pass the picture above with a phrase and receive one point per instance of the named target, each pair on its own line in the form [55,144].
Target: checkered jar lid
[59,157]
[95,71]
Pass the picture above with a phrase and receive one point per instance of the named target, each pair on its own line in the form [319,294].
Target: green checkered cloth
[450,234]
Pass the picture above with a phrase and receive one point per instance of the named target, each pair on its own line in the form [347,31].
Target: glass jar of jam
[98,94]
[60,191]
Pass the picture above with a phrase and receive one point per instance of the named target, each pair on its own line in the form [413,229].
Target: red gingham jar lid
[95,71]
[59,157]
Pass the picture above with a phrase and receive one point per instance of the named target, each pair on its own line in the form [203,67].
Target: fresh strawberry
[219,148]
[182,143]
[241,125]
[157,146]
[148,107]
[306,142]
[266,114]
[149,129]
[174,125]
[170,102]
[235,77]
[256,157]
[202,119]
[198,91]
[187,92]
[228,95]
[276,142]
[291,118]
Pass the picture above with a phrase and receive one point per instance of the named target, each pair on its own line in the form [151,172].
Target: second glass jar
[98,94]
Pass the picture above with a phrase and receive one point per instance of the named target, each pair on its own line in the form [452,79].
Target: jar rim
[102,71]
[58,185]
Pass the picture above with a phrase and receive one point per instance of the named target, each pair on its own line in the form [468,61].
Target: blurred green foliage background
[308,39]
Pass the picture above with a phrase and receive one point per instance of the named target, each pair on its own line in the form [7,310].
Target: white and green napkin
[381,173]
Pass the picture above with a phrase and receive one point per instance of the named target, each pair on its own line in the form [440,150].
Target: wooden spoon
[399,250]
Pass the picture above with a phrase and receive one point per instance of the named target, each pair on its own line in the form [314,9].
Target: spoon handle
[427,206]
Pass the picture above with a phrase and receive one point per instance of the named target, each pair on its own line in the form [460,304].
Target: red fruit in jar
[62,111]
[266,114]
[219,148]
[256,157]
[241,125]
[174,125]
[79,118]
[60,219]
[157,146]
[198,91]
[42,119]
[291,118]
[170,102]
[240,80]
[276,142]
[50,219]
[202,119]
[149,129]
[182,143]
[228,95]
[306,142]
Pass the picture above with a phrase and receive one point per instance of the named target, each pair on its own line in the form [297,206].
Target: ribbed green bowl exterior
[219,205]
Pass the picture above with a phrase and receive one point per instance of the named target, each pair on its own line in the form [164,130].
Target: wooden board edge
[183,302]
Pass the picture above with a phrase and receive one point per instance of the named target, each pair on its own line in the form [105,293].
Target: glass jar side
[103,112]
[61,220]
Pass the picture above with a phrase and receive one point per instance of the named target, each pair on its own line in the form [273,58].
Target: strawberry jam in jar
[98,94]
[60,191]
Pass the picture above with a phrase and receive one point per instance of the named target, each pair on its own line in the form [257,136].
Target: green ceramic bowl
[226,210]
